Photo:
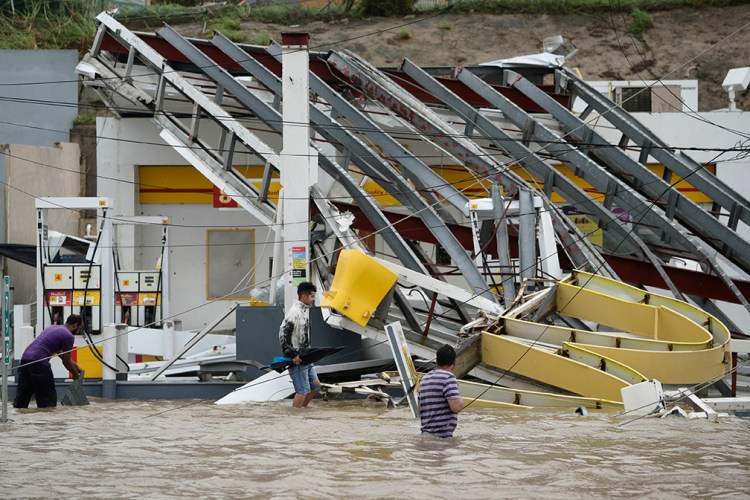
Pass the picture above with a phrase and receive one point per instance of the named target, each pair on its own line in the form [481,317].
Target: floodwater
[356,449]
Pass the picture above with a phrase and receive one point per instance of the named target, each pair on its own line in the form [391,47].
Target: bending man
[35,373]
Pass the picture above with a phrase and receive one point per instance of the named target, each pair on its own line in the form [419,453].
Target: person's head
[74,323]
[446,356]
[306,293]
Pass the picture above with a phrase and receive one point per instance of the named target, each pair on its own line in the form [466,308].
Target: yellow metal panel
[487,403]
[379,194]
[616,313]
[518,398]
[673,326]
[621,290]
[173,184]
[684,367]
[549,368]
[603,363]
[556,335]
[86,360]
[359,285]
[682,186]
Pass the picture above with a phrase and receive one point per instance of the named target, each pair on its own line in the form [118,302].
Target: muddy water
[348,449]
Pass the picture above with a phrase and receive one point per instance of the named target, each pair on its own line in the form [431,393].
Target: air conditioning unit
[644,99]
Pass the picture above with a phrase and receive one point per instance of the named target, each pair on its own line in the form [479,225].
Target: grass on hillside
[70,24]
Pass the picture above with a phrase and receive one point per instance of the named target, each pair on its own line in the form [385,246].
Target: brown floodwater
[350,449]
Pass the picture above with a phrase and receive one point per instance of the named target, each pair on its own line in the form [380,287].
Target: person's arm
[287,349]
[456,405]
[71,365]
[455,402]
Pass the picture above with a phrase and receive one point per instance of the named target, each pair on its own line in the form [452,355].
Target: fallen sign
[75,396]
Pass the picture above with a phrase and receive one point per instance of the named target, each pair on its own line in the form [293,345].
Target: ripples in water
[346,449]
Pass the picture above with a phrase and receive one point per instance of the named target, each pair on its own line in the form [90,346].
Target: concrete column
[109,355]
[296,162]
[168,340]
[121,350]
[23,337]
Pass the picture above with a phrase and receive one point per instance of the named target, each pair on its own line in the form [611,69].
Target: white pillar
[168,343]
[121,351]
[296,164]
[109,355]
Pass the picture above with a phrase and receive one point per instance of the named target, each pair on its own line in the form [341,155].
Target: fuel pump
[74,276]
[139,293]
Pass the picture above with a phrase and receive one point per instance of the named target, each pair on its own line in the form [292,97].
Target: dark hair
[305,287]
[446,355]
[74,319]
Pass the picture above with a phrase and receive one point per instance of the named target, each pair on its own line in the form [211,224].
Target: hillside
[700,43]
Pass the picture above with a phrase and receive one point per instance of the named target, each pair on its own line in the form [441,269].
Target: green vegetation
[70,24]
[84,118]
[263,38]
[386,7]
[230,27]
[641,22]
[47,24]
[577,6]
[402,35]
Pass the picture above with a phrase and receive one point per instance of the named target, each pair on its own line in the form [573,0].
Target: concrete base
[169,390]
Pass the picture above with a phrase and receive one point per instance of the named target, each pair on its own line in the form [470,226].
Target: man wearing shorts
[294,335]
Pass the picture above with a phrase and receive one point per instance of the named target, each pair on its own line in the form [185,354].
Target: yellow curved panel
[623,291]
[549,368]
[516,398]
[606,310]
[556,335]
[603,363]
[686,367]
[359,285]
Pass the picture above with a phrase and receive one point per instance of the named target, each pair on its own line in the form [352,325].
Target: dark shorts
[35,379]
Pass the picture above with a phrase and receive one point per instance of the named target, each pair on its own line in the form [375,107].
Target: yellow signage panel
[92,297]
[184,184]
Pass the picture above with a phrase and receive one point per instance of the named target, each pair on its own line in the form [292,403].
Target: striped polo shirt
[435,389]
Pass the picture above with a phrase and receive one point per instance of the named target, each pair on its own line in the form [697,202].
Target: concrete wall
[42,110]
[138,247]
[33,172]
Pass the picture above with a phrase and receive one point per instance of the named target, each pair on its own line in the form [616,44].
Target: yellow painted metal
[676,321]
[549,368]
[488,403]
[359,285]
[659,323]
[480,394]
[718,330]
[170,184]
[88,362]
[659,337]
[606,310]
[550,334]
[693,367]
[606,364]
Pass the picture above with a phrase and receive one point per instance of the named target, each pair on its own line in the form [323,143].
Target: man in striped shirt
[439,400]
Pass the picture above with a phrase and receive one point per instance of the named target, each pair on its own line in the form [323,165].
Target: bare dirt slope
[685,43]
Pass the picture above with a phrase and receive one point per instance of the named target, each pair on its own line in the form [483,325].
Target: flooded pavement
[347,449]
